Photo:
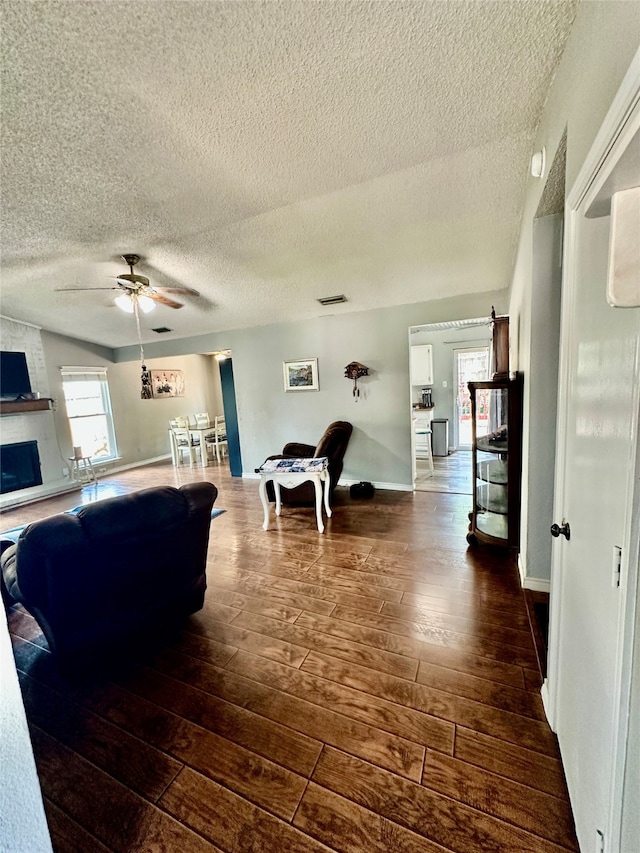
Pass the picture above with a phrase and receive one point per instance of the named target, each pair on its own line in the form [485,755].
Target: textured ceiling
[266,154]
[552,198]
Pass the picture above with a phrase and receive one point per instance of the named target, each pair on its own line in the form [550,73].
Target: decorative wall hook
[354,371]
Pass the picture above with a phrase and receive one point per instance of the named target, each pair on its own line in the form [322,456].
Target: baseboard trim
[546,702]
[106,469]
[391,487]
[384,487]
[535,584]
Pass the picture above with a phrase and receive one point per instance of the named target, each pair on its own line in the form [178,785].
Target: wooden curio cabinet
[496,420]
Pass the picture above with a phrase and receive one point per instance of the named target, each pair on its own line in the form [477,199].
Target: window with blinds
[86,394]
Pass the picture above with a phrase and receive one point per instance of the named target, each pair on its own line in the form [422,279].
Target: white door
[469,365]
[596,447]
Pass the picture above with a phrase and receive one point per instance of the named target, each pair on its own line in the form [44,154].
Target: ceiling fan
[137,289]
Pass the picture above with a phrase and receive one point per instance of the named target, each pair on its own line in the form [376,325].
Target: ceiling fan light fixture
[146,303]
[125,302]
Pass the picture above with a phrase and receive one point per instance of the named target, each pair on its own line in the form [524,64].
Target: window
[471,365]
[86,393]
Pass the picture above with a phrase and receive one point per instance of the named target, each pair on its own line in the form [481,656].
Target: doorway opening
[451,471]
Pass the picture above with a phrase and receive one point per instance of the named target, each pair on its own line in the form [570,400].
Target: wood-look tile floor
[371,689]
[451,474]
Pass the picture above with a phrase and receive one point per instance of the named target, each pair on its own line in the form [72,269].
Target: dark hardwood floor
[374,689]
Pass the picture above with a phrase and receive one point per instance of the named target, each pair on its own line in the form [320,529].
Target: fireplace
[19,466]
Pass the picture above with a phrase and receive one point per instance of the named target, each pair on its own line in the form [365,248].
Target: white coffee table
[290,473]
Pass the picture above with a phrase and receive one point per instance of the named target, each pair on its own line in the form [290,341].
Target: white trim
[612,138]
[608,136]
[96,368]
[535,584]
[107,465]
[527,582]
[544,695]
[20,322]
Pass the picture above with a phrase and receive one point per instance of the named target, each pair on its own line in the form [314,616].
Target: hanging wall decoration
[167,383]
[354,371]
[301,375]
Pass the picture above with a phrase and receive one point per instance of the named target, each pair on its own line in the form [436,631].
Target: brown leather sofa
[101,582]
[333,444]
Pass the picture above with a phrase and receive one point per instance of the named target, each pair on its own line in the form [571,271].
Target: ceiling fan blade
[163,281]
[60,289]
[188,291]
[164,300]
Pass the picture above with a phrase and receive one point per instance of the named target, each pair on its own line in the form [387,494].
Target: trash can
[440,436]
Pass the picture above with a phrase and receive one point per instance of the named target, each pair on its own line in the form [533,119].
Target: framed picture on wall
[301,375]
[167,383]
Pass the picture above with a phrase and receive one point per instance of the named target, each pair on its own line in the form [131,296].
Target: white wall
[380,447]
[23,825]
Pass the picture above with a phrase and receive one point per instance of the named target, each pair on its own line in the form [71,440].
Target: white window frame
[93,374]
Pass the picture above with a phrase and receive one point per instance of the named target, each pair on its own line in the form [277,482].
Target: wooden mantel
[18,407]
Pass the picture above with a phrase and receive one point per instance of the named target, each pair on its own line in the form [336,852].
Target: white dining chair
[183,444]
[217,441]
[181,421]
[203,421]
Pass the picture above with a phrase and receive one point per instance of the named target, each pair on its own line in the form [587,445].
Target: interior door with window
[470,365]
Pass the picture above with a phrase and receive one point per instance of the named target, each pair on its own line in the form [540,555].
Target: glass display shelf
[496,412]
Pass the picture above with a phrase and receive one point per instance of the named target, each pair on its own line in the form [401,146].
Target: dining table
[199,431]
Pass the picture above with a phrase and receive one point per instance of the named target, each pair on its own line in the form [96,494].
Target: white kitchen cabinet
[421,364]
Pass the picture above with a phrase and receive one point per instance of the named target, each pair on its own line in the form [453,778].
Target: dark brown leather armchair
[333,444]
[119,572]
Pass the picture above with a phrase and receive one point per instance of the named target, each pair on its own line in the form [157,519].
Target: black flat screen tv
[14,375]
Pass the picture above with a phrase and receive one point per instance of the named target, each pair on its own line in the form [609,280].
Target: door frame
[618,129]
[447,325]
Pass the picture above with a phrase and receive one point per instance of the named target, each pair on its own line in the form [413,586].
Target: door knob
[565,530]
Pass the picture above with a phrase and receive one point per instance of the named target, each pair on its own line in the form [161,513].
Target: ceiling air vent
[161,330]
[332,300]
